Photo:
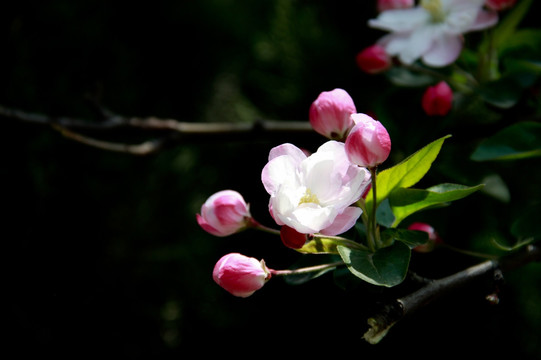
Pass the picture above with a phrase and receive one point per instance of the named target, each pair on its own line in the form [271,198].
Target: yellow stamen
[308,197]
[435,9]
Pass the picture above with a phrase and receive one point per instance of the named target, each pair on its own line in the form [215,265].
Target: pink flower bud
[438,99]
[394,4]
[373,59]
[292,238]
[329,114]
[240,275]
[433,237]
[499,5]
[224,213]
[368,143]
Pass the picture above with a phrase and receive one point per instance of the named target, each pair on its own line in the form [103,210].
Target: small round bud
[433,237]
[373,60]
[330,114]
[224,213]
[368,143]
[292,238]
[438,99]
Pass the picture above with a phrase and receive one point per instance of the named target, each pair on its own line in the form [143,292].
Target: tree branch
[394,311]
[175,129]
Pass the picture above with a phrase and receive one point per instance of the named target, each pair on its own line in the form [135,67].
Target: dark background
[102,251]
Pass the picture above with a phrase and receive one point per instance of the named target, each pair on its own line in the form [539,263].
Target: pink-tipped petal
[343,222]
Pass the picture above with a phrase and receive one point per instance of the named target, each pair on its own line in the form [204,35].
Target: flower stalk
[373,231]
[254,224]
[305,270]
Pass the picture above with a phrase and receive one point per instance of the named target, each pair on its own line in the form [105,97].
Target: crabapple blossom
[433,30]
[394,4]
[329,113]
[240,275]
[437,99]
[368,143]
[224,213]
[373,59]
[433,237]
[313,193]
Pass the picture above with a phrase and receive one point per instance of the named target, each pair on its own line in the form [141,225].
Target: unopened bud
[330,114]
[240,275]
[368,143]
[437,99]
[224,213]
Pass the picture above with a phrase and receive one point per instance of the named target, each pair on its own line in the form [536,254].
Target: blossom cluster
[430,32]
[309,193]
[324,193]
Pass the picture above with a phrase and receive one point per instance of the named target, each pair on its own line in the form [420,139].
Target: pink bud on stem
[224,213]
[330,114]
[240,275]
[368,143]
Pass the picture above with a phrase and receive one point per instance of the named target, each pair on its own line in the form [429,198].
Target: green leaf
[412,238]
[496,187]
[405,174]
[385,267]
[328,245]
[384,214]
[401,76]
[503,93]
[507,27]
[405,202]
[528,224]
[524,44]
[522,140]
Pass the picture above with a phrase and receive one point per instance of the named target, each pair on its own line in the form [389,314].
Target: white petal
[343,222]
[462,5]
[287,149]
[323,181]
[394,44]
[400,20]
[484,20]
[278,171]
[445,50]
[419,42]
[311,218]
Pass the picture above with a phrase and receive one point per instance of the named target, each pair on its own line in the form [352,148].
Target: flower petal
[400,20]
[419,42]
[394,43]
[311,218]
[343,222]
[484,20]
[287,149]
[279,170]
[444,51]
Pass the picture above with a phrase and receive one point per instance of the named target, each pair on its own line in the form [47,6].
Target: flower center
[308,197]
[435,9]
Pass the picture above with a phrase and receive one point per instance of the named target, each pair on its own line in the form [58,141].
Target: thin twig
[144,148]
[155,123]
[175,130]
[394,311]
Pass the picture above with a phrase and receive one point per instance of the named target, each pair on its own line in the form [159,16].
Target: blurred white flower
[433,30]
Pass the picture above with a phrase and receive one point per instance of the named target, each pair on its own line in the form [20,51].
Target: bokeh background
[102,253]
